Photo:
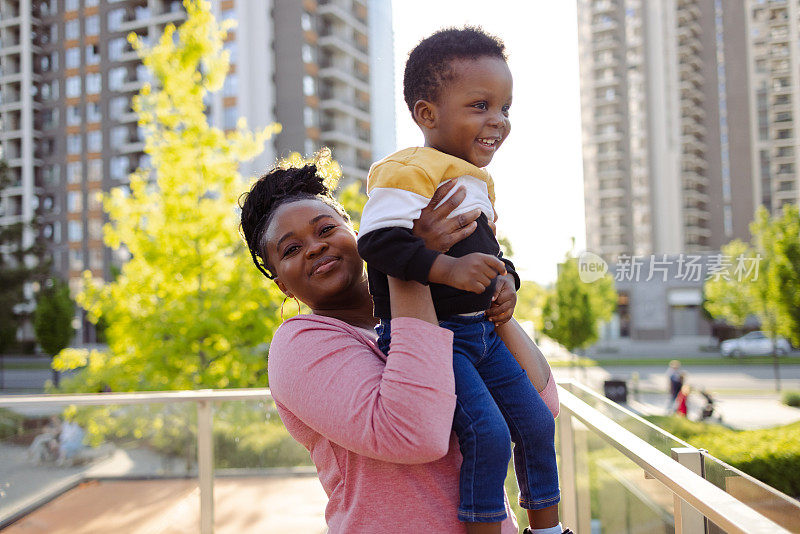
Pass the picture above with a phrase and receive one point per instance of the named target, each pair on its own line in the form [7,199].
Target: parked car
[754,343]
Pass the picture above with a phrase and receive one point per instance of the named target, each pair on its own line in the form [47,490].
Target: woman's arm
[399,411]
[532,360]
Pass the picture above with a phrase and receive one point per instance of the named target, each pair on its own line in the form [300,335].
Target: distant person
[44,447]
[708,408]
[681,401]
[70,441]
[675,380]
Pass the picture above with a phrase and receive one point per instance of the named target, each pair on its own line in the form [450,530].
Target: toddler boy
[458,88]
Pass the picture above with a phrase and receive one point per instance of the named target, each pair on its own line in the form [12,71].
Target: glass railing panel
[249,435]
[762,498]
[123,465]
[624,500]
[646,431]
[257,465]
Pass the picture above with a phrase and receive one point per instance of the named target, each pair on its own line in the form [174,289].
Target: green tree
[52,320]
[188,310]
[574,309]
[531,298]
[762,278]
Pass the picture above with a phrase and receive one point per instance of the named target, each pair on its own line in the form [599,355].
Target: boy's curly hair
[277,187]
[429,68]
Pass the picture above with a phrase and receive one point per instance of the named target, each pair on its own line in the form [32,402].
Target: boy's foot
[529,531]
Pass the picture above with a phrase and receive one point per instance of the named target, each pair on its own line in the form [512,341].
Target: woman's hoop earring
[284,302]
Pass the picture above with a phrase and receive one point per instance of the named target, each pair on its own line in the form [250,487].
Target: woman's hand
[433,225]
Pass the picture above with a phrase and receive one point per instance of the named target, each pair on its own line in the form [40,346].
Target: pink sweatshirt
[379,429]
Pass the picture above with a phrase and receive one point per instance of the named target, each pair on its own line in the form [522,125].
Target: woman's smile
[324,265]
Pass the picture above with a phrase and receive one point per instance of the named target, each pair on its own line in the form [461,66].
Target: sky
[538,172]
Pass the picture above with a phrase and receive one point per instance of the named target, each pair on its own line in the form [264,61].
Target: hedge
[772,455]
[791,398]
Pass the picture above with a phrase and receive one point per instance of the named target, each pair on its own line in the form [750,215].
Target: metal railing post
[687,519]
[205,465]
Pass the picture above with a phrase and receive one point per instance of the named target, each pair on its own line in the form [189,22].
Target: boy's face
[470,118]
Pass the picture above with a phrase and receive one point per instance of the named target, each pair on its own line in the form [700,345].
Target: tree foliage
[574,309]
[52,320]
[773,293]
[188,310]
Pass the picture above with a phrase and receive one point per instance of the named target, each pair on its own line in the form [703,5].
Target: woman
[378,427]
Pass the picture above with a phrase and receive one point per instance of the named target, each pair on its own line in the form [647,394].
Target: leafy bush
[772,455]
[10,423]
[791,398]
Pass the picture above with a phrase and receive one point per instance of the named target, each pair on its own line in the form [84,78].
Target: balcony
[345,45]
[333,9]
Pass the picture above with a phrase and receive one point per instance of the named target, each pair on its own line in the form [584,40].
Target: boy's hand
[503,302]
[473,272]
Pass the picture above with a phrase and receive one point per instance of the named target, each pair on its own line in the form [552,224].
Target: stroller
[708,408]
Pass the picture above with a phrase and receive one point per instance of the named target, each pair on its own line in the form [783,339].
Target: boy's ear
[425,113]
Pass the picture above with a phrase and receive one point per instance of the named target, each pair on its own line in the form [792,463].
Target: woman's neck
[356,309]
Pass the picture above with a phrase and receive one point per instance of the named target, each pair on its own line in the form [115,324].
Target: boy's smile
[470,120]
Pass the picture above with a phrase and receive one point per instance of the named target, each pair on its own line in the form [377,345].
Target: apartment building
[68,73]
[773,67]
[688,110]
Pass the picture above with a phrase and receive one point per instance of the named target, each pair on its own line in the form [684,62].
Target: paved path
[744,397]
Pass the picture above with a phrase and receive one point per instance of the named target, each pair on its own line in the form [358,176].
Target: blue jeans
[496,405]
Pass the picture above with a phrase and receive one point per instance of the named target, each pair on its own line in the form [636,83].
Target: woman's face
[312,251]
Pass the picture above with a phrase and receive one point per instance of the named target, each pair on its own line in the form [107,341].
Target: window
[74,201]
[92,25]
[94,141]
[94,172]
[119,167]
[118,106]
[308,54]
[54,33]
[72,5]
[95,256]
[93,113]
[94,200]
[229,118]
[73,115]
[72,29]
[309,117]
[116,47]
[74,172]
[73,87]
[92,54]
[44,63]
[75,256]
[116,77]
[233,50]
[54,61]
[74,231]
[231,85]
[93,83]
[119,136]
[74,144]
[50,174]
[115,19]
[308,85]
[95,228]
[305,21]
[72,58]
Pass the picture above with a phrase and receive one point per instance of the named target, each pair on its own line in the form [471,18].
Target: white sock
[549,530]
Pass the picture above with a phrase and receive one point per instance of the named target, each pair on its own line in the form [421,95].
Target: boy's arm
[397,252]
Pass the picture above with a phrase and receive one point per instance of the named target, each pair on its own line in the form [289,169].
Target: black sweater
[399,253]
